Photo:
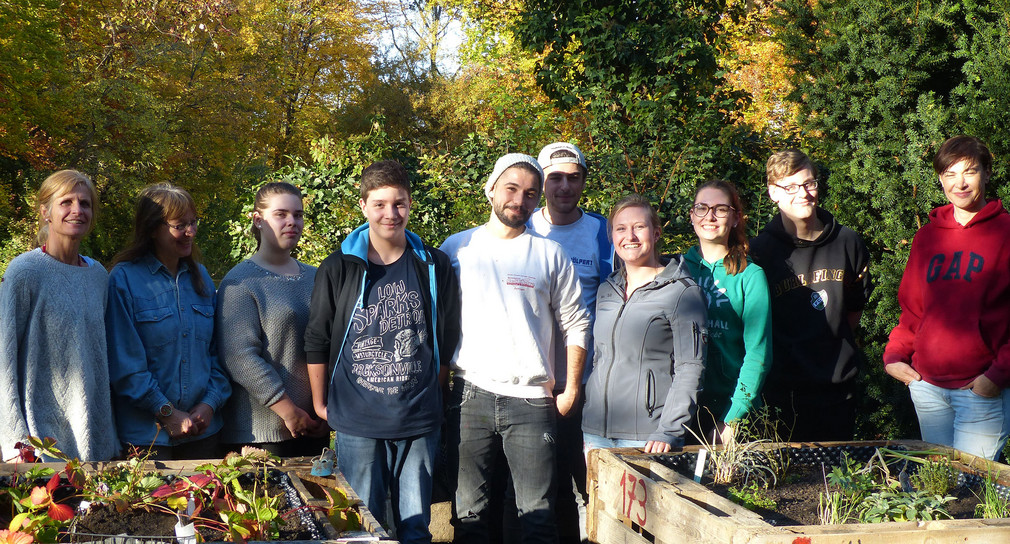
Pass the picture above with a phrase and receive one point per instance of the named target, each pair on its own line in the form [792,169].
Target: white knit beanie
[506,162]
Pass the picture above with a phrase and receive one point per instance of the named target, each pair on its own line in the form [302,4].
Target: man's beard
[519,221]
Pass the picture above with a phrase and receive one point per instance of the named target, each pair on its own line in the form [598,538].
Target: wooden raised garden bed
[304,493]
[638,498]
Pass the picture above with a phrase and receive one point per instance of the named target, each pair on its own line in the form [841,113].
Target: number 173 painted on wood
[633,495]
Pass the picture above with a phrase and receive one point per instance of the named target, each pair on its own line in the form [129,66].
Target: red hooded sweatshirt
[955,300]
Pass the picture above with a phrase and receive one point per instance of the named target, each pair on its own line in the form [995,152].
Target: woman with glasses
[54,375]
[167,383]
[649,341]
[262,312]
[739,311]
[951,346]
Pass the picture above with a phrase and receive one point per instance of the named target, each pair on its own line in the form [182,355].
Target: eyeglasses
[810,187]
[720,210]
[183,227]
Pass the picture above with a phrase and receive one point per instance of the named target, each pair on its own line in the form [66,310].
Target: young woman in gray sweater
[263,308]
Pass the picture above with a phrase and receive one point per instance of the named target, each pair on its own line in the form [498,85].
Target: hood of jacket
[356,244]
[777,229]
[943,217]
[693,256]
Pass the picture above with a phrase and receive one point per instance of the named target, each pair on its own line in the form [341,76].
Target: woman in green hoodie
[739,314]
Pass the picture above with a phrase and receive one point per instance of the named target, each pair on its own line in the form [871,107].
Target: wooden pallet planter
[301,468]
[298,470]
[634,498]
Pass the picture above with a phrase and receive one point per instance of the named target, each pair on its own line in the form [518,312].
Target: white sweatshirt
[513,292]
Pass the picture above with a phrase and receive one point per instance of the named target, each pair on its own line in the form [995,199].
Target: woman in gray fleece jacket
[649,339]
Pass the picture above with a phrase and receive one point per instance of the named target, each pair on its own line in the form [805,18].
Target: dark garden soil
[797,498]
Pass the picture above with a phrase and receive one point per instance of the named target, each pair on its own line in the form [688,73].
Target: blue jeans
[596,442]
[403,468]
[477,419]
[962,419]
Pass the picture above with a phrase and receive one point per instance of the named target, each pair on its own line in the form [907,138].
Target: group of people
[517,346]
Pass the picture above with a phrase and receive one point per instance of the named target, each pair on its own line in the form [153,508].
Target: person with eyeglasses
[951,346]
[168,385]
[739,311]
[819,281]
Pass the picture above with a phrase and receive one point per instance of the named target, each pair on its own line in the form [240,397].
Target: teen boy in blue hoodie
[383,325]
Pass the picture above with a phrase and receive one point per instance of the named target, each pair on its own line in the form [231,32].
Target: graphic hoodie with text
[814,285]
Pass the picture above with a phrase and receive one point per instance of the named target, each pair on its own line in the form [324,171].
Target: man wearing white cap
[515,286]
[585,238]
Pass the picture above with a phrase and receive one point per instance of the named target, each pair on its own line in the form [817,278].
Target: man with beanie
[515,287]
[585,238]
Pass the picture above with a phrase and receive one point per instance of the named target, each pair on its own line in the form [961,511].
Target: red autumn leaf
[60,512]
[171,489]
[27,452]
[53,482]
[200,480]
[801,540]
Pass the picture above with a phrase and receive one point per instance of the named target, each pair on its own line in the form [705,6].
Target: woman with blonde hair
[649,341]
[54,376]
[167,382]
[739,310]
[262,312]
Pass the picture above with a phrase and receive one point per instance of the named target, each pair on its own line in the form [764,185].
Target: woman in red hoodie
[952,343]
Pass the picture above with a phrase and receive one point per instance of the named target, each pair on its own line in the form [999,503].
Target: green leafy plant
[248,514]
[341,511]
[751,497]
[893,505]
[853,480]
[869,494]
[124,485]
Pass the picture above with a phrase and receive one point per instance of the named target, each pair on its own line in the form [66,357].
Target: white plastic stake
[699,468]
[185,534]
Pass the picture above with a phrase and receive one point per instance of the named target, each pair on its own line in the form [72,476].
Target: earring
[259,225]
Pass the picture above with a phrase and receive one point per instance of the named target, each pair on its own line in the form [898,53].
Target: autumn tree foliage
[204,93]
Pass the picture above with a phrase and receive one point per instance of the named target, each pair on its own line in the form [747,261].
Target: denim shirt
[160,334]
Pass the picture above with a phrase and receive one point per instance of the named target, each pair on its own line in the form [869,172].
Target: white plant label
[699,468]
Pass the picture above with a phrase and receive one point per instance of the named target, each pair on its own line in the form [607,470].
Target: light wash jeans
[961,419]
[477,420]
[595,442]
[402,467]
